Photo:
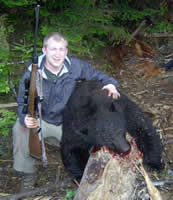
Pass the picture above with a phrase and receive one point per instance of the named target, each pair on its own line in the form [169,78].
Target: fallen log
[8,105]
[110,176]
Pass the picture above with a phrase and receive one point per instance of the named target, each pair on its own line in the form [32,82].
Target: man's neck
[53,69]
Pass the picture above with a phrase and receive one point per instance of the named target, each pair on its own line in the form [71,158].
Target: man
[59,76]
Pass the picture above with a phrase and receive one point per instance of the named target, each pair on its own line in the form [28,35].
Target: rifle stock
[34,141]
[34,144]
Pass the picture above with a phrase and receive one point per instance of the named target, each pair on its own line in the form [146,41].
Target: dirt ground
[155,97]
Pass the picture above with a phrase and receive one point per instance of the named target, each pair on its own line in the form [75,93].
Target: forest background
[89,25]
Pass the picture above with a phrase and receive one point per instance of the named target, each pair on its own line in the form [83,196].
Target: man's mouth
[57,60]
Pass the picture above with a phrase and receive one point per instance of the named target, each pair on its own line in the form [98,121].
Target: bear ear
[83,134]
[85,101]
[115,107]
[112,107]
[88,105]
[84,131]
[86,136]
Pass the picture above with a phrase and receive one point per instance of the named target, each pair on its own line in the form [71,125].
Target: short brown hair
[55,36]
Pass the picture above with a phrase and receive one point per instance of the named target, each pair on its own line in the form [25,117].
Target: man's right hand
[30,122]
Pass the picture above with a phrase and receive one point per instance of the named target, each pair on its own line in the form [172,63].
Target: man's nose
[58,52]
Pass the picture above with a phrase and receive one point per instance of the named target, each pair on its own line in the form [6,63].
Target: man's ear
[44,50]
[66,51]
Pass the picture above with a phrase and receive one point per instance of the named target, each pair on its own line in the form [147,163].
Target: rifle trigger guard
[38,130]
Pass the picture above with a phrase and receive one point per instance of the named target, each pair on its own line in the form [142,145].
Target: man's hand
[112,91]
[30,122]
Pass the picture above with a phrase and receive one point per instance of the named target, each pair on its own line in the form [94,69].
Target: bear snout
[122,148]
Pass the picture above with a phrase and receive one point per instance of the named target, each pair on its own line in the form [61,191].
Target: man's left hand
[112,91]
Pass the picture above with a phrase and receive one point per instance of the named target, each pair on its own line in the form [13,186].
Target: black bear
[91,118]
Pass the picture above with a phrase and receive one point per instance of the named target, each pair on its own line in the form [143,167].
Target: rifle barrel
[34,58]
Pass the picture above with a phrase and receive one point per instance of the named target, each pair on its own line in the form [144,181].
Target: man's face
[55,52]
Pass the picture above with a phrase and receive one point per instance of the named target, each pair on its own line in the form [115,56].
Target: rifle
[32,104]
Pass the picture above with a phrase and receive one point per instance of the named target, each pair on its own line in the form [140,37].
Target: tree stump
[109,176]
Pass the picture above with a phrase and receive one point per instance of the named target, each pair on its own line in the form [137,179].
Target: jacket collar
[41,58]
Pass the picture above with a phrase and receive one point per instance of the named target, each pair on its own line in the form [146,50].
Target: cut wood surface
[108,176]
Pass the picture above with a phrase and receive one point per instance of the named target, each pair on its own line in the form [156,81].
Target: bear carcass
[91,118]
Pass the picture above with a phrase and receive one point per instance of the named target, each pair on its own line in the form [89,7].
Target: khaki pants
[23,162]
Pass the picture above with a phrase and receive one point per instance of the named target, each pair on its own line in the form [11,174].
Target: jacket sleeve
[88,72]
[20,98]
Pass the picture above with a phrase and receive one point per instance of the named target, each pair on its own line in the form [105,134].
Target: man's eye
[62,49]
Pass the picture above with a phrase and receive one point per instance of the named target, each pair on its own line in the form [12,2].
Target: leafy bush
[7,119]
[84,25]
[14,3]
[160,27]
[4,54]
[69,194]
[4,87]
[24,50]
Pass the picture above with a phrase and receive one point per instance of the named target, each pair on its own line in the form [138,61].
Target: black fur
[91,118]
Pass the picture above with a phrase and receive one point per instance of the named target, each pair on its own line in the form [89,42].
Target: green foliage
[159,27]
[89,25]
[14,3]
[24,50]
[3,32]
[69,194]
[117,35]
[125,12]
[4,87]
[83,24]
[107,68]
[163,11]
[7,119]
[162,24]
[4,54]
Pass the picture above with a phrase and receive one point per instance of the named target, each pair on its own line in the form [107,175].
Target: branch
[169,141]
[159,182]
[31,193]
[12,87]
[157,35]
[135,32]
